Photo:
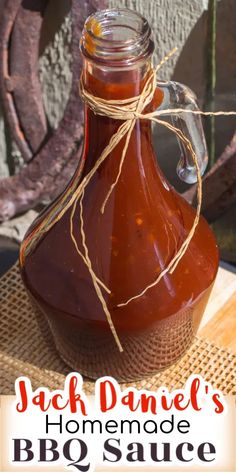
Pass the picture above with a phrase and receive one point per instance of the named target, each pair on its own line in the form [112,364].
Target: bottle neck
[109,84]
[116,46]
[112,84]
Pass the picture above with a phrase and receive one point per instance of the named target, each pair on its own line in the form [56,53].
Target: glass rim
[117,51]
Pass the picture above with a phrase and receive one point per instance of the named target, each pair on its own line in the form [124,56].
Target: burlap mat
[27,348]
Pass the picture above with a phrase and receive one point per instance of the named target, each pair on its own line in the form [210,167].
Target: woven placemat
[27,348]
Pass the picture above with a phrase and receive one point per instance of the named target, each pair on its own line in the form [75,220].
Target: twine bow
[128,111]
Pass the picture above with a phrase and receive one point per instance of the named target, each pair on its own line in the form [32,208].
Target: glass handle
[179,96]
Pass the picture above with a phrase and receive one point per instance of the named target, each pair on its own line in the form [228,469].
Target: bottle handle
[178,96]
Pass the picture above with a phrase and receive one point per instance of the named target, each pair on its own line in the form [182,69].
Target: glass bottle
[144,223]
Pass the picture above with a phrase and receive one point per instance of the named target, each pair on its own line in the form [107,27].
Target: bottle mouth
[116,38]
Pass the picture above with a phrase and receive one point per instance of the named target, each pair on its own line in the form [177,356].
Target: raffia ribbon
[128,111]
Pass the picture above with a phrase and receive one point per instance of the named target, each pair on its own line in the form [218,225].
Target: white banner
[188,429]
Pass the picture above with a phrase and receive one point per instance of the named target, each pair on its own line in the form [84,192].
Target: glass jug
[144,223]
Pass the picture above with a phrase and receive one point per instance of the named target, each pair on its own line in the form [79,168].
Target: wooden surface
[219,320]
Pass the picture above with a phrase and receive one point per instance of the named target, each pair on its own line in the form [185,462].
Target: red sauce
[144,224]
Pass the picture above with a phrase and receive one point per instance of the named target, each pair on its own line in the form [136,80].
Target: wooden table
[219,320]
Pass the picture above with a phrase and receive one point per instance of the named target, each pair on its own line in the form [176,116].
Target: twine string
[128,111]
